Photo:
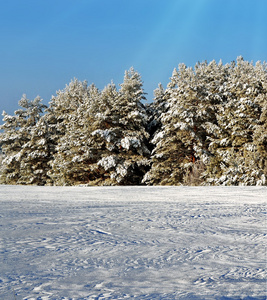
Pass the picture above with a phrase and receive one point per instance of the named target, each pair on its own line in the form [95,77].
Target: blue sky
[46,43]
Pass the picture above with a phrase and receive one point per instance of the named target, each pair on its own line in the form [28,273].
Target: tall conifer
[19,165]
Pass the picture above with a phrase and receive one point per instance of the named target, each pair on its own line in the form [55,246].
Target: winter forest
[208,127]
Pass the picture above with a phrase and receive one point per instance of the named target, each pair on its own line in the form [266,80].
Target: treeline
[208,127]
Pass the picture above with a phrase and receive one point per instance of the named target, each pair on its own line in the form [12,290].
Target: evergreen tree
[17,165]
[260,133]
[101,135]
[211,129]
[207,127]
[236,160]
[11,141]
[124,159]
[155,110]
[36,156]
[71,115]
[192,98]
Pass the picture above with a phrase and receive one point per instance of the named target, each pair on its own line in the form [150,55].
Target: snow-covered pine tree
[36,156]
[260,133]
[73,113]
[10,140]
[17,165]
[155,110]
[260,143]
[192,96]
[122,129]
[170,151]
[236,160]
[101,136]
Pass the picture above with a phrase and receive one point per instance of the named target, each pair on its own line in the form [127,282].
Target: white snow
[106,134]
[121,170]
[132,243]
[107,162]
[127,142]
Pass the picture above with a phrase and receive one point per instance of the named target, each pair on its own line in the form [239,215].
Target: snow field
[132,242]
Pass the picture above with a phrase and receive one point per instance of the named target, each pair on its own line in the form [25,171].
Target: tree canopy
[208,127]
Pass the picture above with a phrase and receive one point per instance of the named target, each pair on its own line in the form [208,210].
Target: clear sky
[46,43]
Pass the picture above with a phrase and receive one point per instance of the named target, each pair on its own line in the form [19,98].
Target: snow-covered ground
[132,242]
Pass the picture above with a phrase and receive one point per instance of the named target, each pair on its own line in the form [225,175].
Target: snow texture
[132,242]
[127,142]
[106,134]
[108,162]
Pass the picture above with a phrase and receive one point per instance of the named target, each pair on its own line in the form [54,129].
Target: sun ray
[180,14]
